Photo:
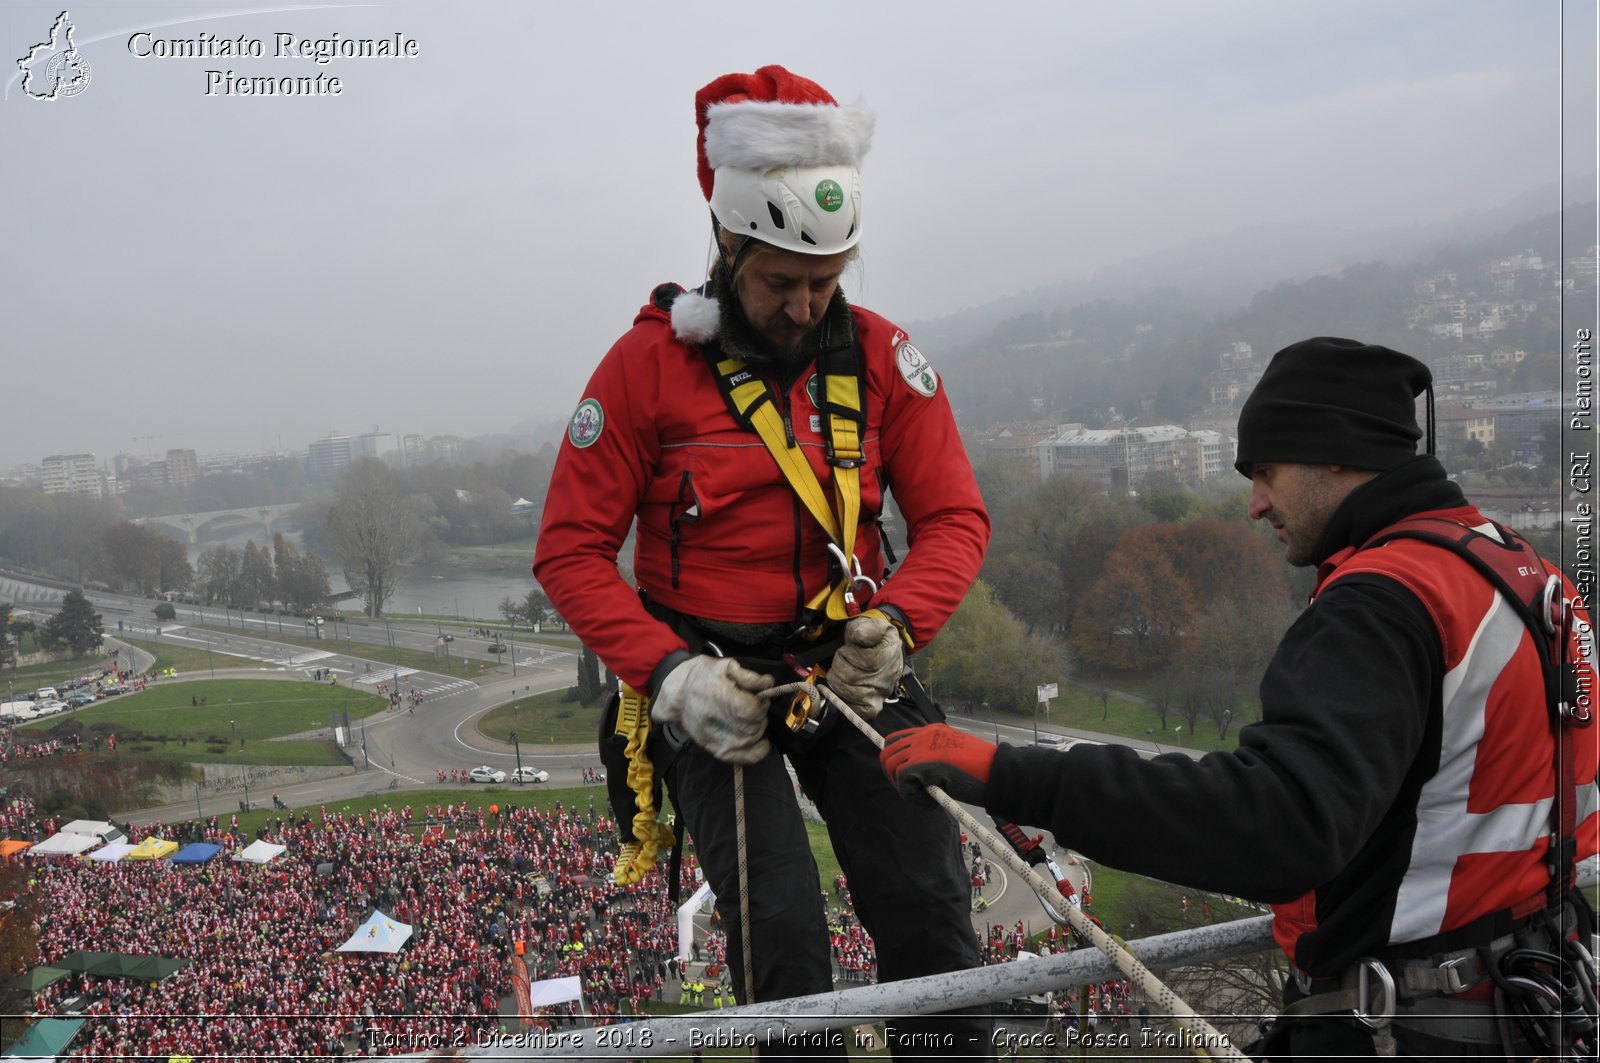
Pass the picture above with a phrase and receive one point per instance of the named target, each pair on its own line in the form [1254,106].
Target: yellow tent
[153,849]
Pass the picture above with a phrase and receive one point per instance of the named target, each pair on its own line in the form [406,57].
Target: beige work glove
[714,700]
[868,666]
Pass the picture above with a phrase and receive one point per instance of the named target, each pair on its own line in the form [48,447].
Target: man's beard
[743,340]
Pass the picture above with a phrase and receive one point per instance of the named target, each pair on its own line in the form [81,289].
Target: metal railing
[757,1024]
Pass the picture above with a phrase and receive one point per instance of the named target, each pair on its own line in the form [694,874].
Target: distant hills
[1220,273]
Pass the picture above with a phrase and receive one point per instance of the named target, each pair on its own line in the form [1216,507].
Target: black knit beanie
[1331,401]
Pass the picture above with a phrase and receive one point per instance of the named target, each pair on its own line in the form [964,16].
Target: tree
[220,575]
[255,574]
[8,639]
[590,692]
[76,626]
[176,572]
[134,553]
[985,654]
[301,580]
[374,529]
[531,610]
[19,923]
[1136,614]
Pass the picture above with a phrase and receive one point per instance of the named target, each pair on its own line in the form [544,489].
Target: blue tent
[196,853]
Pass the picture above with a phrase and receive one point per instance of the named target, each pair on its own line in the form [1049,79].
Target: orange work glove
[938,755]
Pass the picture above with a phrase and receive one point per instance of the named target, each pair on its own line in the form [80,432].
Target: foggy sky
[451,244]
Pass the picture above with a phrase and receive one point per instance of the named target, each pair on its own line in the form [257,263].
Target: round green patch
[830,197]
[587,422]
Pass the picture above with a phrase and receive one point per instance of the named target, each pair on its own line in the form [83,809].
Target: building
[72,474]
[328,456]
[1122,458]
[182,469]
[376,444]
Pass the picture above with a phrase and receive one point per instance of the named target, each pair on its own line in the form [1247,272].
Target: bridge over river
[221,523]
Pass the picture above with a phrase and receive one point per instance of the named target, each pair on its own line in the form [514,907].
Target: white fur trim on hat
[695,318]
[758,135]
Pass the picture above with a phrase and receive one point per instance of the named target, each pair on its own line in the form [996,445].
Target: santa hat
[775,118]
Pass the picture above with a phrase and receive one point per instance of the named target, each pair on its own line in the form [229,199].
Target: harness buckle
[1366,968]
[1450,971]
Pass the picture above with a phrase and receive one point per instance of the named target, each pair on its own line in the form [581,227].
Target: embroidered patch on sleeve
[915,370]
[588,420]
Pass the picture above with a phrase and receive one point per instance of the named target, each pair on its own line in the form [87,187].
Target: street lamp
[209,663]
[198,814]
[512,643]
[518,749]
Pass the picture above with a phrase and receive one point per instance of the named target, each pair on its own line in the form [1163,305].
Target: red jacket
[653,439]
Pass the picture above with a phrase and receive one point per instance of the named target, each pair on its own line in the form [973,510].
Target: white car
[1049,741]
[522,775]
[49,707]
[484,773]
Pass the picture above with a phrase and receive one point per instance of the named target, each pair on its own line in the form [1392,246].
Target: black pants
[903,863]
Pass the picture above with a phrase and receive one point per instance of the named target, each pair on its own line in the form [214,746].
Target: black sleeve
[1345,703]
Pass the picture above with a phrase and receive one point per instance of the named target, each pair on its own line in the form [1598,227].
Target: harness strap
[1521,577]
[842,399]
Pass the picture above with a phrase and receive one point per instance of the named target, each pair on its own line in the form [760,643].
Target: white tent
[260,851]
[111,852]
[702,900]
[553,991]
[378,934]
[64,844]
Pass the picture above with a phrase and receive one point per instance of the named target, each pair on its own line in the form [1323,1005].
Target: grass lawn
[232,727]
[1079,707]
[421,660]
[189,659]
[543,719]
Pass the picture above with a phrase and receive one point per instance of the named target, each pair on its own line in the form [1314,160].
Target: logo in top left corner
[54,69]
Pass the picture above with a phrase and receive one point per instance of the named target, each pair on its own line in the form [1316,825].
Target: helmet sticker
[587,421]
[915,370]
[830,197]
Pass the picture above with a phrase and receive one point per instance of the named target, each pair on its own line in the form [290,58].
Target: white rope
[1204,1039]
[745,932]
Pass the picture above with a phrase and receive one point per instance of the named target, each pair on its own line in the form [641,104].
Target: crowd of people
[480,888]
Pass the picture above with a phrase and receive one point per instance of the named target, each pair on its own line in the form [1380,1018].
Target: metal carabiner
[851,567]
[1385,985]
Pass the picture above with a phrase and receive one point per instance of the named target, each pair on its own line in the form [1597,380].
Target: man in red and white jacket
[1394,802]
[730,561]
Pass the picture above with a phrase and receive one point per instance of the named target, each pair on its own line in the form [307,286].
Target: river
[433,588]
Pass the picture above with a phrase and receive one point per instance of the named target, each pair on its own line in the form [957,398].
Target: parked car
[484,773]
[529,774]
[49,706]
[82,697]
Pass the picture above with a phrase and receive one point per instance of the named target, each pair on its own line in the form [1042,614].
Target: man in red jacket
[748,430]
[1419,747]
